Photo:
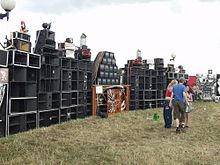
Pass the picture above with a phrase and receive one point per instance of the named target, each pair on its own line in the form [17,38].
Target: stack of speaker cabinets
[76,84]
[64,83]
[84,89]
[49,78]
[23,71]
[105,70]
[76,77]
[134,76]
[147,85]
[150,94]
[171,73]
[182,73]
[161,80]
[69,93]
[3,92]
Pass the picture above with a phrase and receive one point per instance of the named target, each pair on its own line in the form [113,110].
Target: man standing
[179,102]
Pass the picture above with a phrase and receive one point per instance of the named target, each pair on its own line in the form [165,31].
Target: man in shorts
[179,102]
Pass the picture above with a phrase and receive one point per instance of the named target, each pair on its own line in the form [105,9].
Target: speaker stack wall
[23,72]
[69,86]
[48,78]
[161,81]
[148,86]
[172,73]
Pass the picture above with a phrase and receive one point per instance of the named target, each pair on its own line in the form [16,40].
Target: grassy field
[125,138]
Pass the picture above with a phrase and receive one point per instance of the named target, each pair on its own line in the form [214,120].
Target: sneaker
[182,125]
[178,130]
[182,128]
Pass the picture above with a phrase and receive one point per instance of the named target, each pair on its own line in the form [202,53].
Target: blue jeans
[167,115]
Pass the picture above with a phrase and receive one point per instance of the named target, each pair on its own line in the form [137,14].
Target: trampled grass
[125,138]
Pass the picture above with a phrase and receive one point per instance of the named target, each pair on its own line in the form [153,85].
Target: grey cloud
[65,6]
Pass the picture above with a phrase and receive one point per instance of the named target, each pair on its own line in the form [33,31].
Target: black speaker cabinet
[3,58]
[17,57]
[22,36]
[21,122]
[44,101]
[22,45]
[34,61]
[48,118]
[18,74]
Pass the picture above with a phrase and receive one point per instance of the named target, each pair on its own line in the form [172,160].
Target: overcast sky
[188,28]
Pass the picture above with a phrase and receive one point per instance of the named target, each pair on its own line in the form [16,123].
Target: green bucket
[156,117]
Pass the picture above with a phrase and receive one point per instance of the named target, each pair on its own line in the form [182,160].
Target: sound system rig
[76,83]
[148,85]
[48,79]
[64,83]
[42,88]
[171,73]
[147,90]
[23,66]
[49,86]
